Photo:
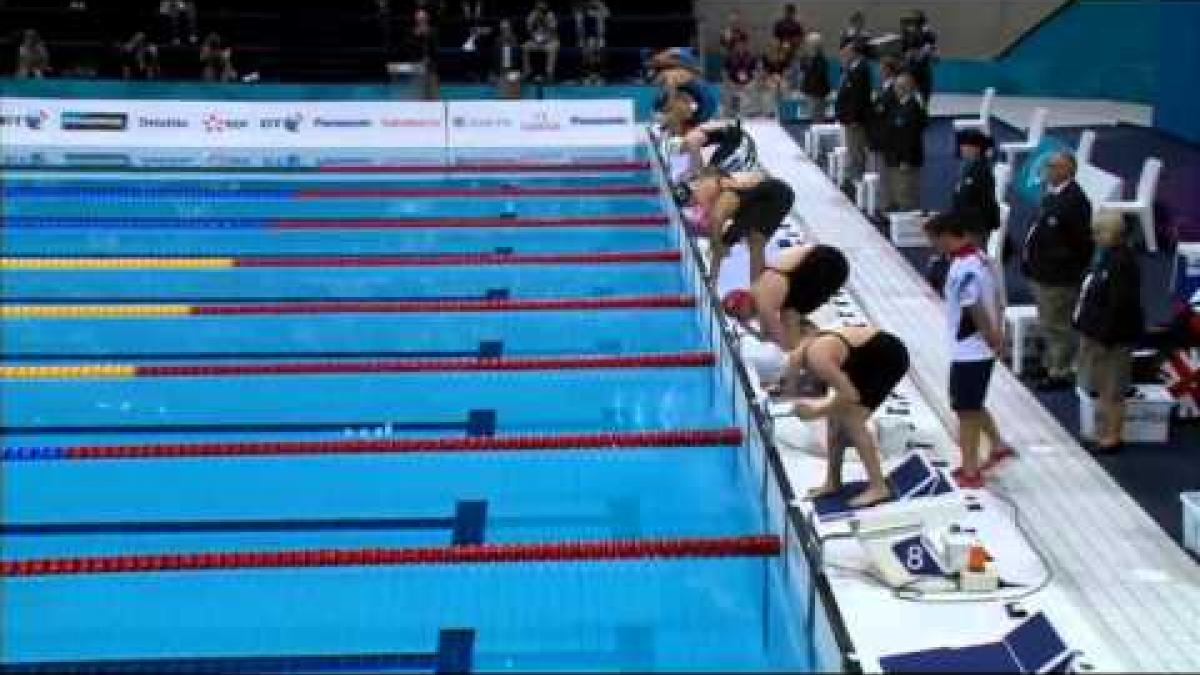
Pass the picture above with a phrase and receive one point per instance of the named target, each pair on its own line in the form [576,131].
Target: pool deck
[1122,592]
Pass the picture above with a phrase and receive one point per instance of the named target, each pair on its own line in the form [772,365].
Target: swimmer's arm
[842,391]
[725,207]
[991,332]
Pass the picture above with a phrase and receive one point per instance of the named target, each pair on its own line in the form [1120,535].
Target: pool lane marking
[461,364]
[91,311]
[747,546]
[335,261]
[487,348]
[454,656]
[466,525]
[477,423]
[624,441]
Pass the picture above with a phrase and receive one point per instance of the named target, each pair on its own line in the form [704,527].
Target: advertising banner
[148,123]
[533,124]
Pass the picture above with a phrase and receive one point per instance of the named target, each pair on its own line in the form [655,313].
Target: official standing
[853,109]
[1057,251]
[904,145]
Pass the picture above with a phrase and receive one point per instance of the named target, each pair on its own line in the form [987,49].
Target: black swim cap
[822,273]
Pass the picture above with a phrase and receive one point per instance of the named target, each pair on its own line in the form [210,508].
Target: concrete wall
[966,28]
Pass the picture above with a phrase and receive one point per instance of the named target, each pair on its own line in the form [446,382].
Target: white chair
[1020,323]
[1142,205]
[1083,151]
[984,121]
[866,195]
[814,139]
[837,165]
[1002,175]
[1033,138]
[995,247]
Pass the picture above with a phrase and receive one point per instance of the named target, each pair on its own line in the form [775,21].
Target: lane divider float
[446,365]
[494,445]
[756,546]
[257,261]
[131,311]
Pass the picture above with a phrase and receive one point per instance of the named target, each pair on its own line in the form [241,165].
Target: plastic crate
[1147,414]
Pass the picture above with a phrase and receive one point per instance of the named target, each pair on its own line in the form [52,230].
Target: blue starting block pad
[913,478]
[1032,647]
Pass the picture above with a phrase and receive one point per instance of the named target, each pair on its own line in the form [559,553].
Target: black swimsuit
[875,367]
[735,149]
[761,208]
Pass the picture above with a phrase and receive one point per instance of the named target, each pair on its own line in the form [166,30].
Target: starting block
[1032,647]
[914,479]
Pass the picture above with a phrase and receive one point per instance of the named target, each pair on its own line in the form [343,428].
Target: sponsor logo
[33,119]
[162,123]
[541,122]
[341,123]
[96,158]
[463,122]
[289,123]
[599,121]
[215,123]
[410,123]
[164,160]
[94,121]
[32,159]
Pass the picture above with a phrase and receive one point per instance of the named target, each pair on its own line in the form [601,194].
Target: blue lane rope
[486,349]
[125,222]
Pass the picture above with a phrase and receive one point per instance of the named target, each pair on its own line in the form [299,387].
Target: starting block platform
[912,479]
[1034,646]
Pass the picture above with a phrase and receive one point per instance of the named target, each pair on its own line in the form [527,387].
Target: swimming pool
[283,423]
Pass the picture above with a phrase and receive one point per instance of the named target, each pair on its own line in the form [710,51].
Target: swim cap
[738,303]
[682,192]
[766,358]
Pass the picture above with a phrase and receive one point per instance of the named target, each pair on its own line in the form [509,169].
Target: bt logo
[289,123]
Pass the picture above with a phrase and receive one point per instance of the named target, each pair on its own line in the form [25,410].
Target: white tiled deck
[1122,591]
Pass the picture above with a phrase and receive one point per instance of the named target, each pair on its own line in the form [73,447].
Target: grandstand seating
[346,41]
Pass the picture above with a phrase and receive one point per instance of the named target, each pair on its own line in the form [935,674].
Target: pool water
[666,613]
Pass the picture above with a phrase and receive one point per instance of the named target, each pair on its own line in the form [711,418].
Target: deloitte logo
[162,123]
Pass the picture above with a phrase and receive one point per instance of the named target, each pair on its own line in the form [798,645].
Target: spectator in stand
[179,20]
[424,50]
[216,60]
[1110,319]
[975,192]
[776,74]
[741,71]
[139,58]
[904,146]
[853,109]
[1055,258]
[790,31]
[591,23]
[974,325]
[856,32]
[33,59]
[478,38]
[882,102]
[733,34]
[814,69]
[918,43]
[542,25]
[506,66]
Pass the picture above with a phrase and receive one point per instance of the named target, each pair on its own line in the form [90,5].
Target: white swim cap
[766,358]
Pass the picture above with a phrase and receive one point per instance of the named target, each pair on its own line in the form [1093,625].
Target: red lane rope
[490,191]
[599,221]
[457,259]
[415,306]
[700,547]
[619,440]
[494,364]
[483,167]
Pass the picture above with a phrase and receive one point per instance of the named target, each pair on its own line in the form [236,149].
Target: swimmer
[799,281]
[860,366]
[740,206]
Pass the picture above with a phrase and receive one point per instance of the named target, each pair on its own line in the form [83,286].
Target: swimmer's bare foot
[871,497]
[823,491]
